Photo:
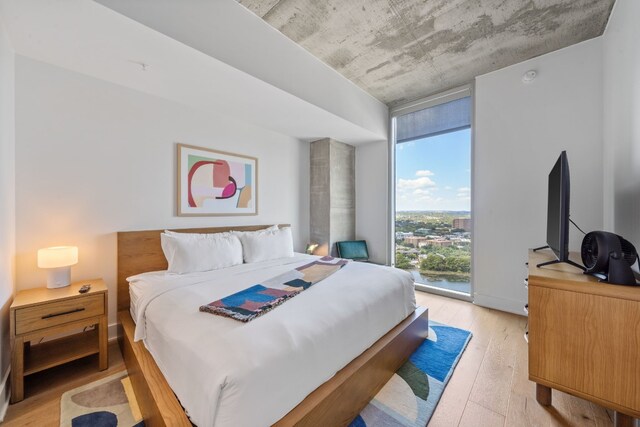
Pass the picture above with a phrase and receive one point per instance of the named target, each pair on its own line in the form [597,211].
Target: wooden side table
[39,313]
[584,338]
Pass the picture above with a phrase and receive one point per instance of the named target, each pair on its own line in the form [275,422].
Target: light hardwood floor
[490,385]
[41,406]
[488,388]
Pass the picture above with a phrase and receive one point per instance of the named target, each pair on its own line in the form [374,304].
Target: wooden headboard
[140,251]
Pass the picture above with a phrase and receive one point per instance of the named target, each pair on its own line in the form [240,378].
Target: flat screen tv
[558,212]
[558,208]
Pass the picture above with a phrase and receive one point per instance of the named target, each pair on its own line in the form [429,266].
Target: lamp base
[58,277]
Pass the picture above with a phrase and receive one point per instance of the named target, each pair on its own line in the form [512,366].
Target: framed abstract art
[216,183]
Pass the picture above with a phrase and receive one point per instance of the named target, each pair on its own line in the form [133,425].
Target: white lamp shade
[58,256]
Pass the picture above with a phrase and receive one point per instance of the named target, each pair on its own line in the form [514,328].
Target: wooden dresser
[584,337]
[42,313]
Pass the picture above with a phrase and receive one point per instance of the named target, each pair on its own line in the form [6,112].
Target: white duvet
[229,373]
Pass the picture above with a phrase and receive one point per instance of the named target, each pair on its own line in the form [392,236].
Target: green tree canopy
[433,262]
[402,261]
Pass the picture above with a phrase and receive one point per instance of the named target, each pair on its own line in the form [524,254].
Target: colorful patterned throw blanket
[258,299]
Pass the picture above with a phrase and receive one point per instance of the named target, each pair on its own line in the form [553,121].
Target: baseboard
[114,331]
[5,394]
[503,304]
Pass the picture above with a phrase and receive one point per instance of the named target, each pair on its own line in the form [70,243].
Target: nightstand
[40,313]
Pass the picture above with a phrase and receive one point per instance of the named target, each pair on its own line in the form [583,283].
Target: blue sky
[434,173]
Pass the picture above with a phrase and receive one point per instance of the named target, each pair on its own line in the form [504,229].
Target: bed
[315,360]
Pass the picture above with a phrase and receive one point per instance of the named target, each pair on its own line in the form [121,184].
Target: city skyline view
[433,210]
[434,173]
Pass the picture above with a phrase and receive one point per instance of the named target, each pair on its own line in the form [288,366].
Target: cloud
[412,184]
[402,145]
[448,187]
[464,193]
[420,194]
[424,173]
[416,193]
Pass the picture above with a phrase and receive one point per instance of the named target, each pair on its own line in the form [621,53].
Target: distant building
[438,242]
[422,231]
[415,240]
[402,234]
[421,242]
[462,224]
[461,240]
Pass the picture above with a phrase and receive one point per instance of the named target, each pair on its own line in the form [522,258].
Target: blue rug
[411,395]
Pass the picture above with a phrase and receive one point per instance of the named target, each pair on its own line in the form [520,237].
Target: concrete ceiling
[402,50]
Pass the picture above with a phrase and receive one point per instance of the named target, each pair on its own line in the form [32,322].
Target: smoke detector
[529,76]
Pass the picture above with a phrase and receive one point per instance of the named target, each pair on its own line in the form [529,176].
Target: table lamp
[58,261]
[311,247]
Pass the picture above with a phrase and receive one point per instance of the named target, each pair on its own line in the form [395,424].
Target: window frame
[410,107]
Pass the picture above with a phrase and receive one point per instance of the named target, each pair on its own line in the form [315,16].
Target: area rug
[407,400]
[108,402]
[411,395]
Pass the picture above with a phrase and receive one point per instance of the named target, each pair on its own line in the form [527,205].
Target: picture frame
[215,183]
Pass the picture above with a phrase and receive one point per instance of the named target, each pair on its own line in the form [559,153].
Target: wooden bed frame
[334,403]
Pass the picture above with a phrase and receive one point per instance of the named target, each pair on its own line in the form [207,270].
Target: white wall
[226,30]
[372,199]
[622,120]
[94,158]
[92,39]
[7,206]
[520,130]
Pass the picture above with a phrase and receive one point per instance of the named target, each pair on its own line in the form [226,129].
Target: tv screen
[558,208]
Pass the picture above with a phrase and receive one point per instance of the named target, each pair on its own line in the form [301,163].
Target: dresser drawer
[56,313]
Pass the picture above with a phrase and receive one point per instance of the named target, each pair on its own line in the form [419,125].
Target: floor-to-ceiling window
[432,155]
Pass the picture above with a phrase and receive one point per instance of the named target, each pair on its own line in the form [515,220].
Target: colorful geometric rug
[411,395]
[407,400]
[108,402]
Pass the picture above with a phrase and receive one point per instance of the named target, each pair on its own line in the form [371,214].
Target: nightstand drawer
[56,313]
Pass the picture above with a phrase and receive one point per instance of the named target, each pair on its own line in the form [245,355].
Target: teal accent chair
[353,249]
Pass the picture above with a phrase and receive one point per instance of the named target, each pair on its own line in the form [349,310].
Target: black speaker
[610,255]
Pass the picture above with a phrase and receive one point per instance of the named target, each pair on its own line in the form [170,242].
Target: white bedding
[135,291]
[229,373]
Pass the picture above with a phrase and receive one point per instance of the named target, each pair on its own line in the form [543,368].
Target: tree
[451,263]
[402,261]
[465,264]
[433,262]
[428,249]
[461,264]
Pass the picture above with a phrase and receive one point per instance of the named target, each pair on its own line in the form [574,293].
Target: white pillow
[189,253]
[271,228]
[192,235]
[267,244]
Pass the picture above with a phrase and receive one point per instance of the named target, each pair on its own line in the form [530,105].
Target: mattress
[229,373]
[135,291]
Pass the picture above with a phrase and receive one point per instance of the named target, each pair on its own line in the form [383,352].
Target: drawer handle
[75,310]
